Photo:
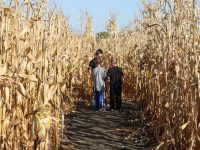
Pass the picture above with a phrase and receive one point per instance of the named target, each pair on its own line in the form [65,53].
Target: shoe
[111,110]
[102,109]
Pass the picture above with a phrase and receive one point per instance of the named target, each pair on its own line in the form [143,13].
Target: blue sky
[125,10]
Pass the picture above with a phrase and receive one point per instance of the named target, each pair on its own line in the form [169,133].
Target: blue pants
[99,100]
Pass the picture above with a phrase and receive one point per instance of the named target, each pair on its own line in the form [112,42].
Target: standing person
[93,64]
[99,75]
[115,74]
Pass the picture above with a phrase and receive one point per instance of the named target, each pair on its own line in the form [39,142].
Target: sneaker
[111,110]
[102,109]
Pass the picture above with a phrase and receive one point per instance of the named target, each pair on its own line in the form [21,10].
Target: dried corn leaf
[3,70]
[159,146]
[21,89]
[184,125]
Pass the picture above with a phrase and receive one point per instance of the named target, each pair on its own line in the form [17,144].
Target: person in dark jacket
[115,75]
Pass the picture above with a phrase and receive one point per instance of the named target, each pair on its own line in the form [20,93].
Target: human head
[99,60]
[99,54]
[99,51]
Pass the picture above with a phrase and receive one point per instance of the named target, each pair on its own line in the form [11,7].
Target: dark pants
[115,97]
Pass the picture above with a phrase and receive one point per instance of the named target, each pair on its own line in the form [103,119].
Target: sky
[125,11]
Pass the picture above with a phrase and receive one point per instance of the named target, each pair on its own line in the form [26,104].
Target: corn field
[44,70]
[39,57]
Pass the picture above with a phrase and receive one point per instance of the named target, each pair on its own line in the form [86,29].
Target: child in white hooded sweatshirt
[99,75]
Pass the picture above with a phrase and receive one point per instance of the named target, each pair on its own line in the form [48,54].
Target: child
[99,75]
[115,74]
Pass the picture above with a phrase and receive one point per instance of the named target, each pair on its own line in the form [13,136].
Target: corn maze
[43,62]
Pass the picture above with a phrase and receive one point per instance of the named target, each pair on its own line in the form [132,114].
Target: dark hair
[99,51]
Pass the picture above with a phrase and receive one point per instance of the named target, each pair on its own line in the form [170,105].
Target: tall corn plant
[170,71]
[35,47]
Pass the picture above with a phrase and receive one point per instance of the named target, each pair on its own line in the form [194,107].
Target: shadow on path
[106,130]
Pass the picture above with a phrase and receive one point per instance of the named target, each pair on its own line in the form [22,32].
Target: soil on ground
[86,129]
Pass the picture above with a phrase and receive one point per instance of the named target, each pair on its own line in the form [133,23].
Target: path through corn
[106,130]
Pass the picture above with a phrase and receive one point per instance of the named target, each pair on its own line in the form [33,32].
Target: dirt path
[106,130]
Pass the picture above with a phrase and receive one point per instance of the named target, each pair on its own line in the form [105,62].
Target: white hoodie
[99,74]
